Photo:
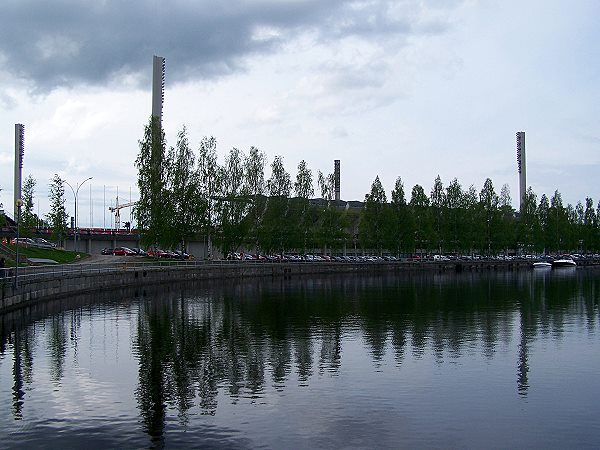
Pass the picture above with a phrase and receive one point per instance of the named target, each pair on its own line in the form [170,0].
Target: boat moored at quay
[564,261]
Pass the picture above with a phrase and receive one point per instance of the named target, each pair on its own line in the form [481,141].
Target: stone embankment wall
[40,283]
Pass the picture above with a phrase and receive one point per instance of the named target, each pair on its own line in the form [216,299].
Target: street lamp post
[75,193]
[19,203]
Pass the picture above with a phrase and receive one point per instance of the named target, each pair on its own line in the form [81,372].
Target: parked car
[139,251]
[24,242]
[43,243]
[158,253]
[123,251]
[181,255]
[107,251]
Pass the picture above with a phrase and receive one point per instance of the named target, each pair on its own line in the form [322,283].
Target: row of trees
[57,217]
[458,220]
[183,194]
[233,205]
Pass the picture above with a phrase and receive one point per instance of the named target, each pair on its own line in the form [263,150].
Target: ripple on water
[386,362]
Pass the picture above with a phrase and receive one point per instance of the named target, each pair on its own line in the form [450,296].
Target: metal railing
[53,271]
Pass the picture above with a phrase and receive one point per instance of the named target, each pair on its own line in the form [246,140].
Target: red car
[123,251]
[157,253]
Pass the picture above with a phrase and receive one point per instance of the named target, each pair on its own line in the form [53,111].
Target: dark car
[139,251]
[107,251]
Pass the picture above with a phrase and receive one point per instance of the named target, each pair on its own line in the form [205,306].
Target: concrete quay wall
[41,283]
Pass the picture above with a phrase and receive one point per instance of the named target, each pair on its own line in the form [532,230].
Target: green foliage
[183,189]
[300,216]
[528,221]
[57,217]
[58,255]
[235,202]
[418,199]
[489,216]
[152,211]
[209,176]
[375,219]
[326,186]
[400,233]
[280,183]
[29,219]
[590,226]
[181,195]
[254,179]
[274,229]
[455,219]
[303,186]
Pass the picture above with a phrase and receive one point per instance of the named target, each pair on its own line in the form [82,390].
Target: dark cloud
[69,42]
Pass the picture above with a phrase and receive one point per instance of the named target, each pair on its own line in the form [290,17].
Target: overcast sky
[409,88]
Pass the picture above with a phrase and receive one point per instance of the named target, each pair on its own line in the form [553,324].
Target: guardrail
[43,282]
[61,270]
[27,274]
[35,273]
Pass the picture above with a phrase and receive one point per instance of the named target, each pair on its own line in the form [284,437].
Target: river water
[416,360]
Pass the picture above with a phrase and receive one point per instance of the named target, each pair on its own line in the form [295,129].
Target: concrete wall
[40,283]
[93,244]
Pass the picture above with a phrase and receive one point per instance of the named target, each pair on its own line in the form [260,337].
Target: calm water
[422,360]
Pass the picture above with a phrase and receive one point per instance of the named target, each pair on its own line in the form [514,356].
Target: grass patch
[60,256]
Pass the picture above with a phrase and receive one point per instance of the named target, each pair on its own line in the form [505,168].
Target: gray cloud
[71,42]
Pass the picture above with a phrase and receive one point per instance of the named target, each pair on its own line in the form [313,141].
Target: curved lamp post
[18,203]
[75,193]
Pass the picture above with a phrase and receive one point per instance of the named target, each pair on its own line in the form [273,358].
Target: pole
[75,194]
[19,203]
[75,243]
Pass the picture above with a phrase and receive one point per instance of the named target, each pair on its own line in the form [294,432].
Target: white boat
[542,265]
[564,261]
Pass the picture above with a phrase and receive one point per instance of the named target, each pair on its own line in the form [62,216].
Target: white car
[43,243]
[24,241]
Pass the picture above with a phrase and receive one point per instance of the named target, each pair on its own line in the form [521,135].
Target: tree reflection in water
[199,344]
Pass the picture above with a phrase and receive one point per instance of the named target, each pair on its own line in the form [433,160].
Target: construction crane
[116,209]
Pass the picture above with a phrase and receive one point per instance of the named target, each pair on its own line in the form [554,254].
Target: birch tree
[150,212]
[29,218]
[183,184]
[57,217]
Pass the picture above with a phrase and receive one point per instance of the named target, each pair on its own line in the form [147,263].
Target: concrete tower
[522,167]
[19,151]
[158,86]
[336,179]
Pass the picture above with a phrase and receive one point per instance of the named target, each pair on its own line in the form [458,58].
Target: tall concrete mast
[522,167]
[158,86]
[19,152]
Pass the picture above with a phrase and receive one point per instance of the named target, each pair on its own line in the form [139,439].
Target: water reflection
[197,346]
[247,336]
